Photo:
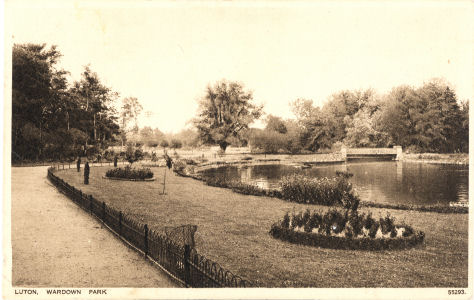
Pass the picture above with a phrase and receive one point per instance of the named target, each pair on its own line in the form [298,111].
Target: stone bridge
[394,153]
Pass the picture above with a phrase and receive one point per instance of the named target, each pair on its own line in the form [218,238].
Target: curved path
[57,244]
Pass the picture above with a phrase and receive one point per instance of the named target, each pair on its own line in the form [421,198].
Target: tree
[164,143]
[425,119]
[188,137]
[225,112]
[316,128]
[131,109]
[176,144]
[38,88]
[94,99]
[276,124]
[49,118]
[463,130]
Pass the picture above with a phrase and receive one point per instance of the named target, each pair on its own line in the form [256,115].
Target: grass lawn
[233,231]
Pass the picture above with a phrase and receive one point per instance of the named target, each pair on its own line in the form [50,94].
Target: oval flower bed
[345,230]
[129,173]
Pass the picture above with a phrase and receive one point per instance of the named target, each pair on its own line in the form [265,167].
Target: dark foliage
[86,173]
[345,243]
[323,230]
[324,191]
[130,173]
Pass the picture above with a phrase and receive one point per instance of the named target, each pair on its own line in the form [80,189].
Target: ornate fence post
[187,266]
[146,240]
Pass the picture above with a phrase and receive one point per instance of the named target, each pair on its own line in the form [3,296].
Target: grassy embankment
[233,231]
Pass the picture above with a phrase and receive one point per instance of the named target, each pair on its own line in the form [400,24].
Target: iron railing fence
[181,261]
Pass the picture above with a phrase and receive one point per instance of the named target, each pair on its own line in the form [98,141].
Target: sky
[166,53]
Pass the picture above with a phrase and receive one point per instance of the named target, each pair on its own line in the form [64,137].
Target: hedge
[130,173]
[345,230]
[344,243]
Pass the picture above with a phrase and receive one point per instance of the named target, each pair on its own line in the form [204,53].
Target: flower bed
[129,173]
[345,230]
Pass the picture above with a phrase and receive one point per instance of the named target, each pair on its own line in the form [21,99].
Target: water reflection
[385,182]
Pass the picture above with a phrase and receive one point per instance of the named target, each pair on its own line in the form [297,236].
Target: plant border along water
[347,230]
[129,173]
[183,169]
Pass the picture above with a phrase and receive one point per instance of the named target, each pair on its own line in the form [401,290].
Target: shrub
[179,165]
[325,191]
[176,143]
[386,224]
[132,155]
[189,161]
[130,173]
[356,221]
[164,143]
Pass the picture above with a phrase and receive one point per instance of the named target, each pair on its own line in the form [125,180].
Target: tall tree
[225,112]
[95,101]
[426,119]
[38,90]
[131,109]
[276,124]
[317,129]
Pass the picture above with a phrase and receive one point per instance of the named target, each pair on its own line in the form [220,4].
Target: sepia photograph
[237,149]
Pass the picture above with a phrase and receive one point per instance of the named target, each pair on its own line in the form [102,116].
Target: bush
[176,144]
[164,143]
[325,191]
[179,165]
[130,173]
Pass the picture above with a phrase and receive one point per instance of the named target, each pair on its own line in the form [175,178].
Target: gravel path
[57,244]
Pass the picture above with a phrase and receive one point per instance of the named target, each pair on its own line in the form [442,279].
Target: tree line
[425,119]
[52,118]
[55,119]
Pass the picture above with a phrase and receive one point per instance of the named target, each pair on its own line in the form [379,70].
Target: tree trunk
[95,130]
[223,145]
[67,114]
[41,138]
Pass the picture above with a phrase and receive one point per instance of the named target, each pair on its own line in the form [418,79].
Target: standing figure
[115,161]
[86,173]
[79,164]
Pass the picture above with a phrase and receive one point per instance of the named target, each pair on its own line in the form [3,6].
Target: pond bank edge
[247,189]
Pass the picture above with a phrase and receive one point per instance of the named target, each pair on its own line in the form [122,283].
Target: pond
[388,182]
